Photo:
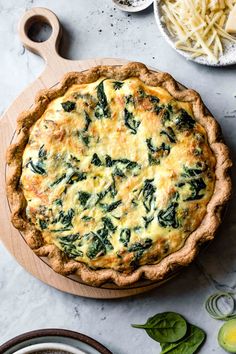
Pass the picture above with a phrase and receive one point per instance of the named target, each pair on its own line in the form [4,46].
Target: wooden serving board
[55,68]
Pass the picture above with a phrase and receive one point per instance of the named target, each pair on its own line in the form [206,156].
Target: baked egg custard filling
[117,174]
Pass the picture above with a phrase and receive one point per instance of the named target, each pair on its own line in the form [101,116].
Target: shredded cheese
[198,26]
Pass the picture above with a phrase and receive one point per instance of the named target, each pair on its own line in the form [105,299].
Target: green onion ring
[211,306]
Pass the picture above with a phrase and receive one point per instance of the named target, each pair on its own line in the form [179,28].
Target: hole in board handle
[38,29]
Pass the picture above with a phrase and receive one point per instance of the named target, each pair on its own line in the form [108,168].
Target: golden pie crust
[172,262]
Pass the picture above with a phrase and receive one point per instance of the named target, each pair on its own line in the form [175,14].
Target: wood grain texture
[55,68]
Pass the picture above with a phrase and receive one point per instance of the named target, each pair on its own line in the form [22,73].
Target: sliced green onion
[212,306]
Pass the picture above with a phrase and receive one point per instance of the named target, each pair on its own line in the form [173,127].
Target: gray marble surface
[96,29]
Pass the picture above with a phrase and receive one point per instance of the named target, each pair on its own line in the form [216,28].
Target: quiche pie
[118,174]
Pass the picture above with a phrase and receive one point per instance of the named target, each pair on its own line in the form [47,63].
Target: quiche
[118,174]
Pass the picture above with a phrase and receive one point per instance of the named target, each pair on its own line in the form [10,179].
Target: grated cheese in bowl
[198,26]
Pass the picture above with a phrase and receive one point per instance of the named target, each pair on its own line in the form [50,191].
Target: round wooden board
[55,68]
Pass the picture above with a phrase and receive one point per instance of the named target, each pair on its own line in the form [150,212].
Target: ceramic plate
[132,8]
[78,342]
[229,57]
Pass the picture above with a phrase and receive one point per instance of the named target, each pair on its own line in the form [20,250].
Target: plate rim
[156,7]
[54,332]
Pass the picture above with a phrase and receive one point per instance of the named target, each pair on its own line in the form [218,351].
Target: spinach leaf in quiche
[118,172]
[36,167]
[96,246]
[130,121]
[84,197]
[184,121]
[148,192]
[125,235]
[107,223]
[111,189]
[192,171]
[153,160]
[165,327]
[76,176]
[138,248]
[103,235]
[110,207]
[192,178]
[66,218]
[102,108]
[117,85]
[153,149]
[196,186]
[147,220]
[168,217]
[96,160]
[169,132]
[167,112]
[85,138]
[42,153]
[43,224]
[99,242]
[88,121]
[86,218]
[69,247]
[68,106]
[58,180]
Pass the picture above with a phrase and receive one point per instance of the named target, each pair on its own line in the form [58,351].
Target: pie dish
[118,174]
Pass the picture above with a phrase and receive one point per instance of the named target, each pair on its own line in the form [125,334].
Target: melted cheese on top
[117,174]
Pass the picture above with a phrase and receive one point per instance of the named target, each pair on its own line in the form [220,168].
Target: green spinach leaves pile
[174,333]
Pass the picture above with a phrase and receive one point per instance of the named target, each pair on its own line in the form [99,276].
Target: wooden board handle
[49,48]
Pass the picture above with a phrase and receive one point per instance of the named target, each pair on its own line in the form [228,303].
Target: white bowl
[36,348]
[143,5]
[228,58]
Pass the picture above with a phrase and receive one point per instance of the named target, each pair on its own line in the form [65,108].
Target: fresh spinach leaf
[130,121]
[189,344]
[68,106]
[165,327]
